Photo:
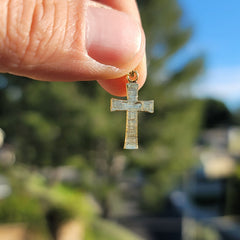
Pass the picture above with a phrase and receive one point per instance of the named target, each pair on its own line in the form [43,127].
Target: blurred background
[64,174]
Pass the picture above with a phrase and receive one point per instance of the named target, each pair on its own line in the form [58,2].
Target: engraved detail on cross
[132,106]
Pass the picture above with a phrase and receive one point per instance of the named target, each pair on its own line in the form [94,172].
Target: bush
[21,208]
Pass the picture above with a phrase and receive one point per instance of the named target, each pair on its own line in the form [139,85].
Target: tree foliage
[216,114]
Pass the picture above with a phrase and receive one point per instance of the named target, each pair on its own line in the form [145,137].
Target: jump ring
[132,76]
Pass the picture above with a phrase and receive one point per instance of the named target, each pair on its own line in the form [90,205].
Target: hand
[73,40]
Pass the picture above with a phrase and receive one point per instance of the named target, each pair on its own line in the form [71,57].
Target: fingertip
[117,86]
[142,70]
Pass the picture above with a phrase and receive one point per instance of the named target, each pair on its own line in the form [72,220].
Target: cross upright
[132,106]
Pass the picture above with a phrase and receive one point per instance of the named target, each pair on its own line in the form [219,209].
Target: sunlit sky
[216,25]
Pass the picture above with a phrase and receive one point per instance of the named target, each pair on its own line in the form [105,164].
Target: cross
[132,106]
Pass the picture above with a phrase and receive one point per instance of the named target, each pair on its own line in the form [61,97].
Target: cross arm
[147,106]
[118,105]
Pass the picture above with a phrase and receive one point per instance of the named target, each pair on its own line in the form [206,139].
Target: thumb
[68,40]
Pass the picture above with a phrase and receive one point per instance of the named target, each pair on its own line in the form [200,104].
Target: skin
[73,40]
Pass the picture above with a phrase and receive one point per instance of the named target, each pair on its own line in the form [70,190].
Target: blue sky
[216,25]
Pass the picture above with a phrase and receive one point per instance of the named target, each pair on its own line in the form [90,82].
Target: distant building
[234,141]
[2,135]
[209,202]
[7,155]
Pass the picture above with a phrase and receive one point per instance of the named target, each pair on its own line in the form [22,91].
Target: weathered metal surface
[132,106]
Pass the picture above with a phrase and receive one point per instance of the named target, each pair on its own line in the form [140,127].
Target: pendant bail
[132,77]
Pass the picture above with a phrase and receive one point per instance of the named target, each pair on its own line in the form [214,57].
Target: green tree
[216,114]
[54,124]
[168,137]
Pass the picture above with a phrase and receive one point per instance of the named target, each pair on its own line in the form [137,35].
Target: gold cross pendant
[132,106]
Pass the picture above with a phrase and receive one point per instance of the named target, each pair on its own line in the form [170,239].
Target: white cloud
[220,83]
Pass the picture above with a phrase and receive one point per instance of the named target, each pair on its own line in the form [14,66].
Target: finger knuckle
[30,34]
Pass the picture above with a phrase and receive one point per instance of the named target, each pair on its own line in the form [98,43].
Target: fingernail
[112,37]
